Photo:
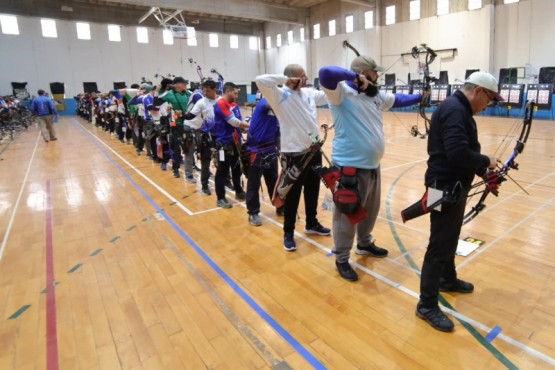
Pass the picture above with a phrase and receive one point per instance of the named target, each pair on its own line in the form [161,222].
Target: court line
[16,207]
[303,352]
[400,287]
[51,329]
[507,232]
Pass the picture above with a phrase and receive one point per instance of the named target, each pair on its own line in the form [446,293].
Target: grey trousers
[369,187]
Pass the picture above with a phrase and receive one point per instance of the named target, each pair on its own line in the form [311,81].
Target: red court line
[51,330]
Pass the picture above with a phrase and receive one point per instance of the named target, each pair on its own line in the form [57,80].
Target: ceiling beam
[257,10]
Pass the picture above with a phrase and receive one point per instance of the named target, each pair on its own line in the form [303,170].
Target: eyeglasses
[490,99]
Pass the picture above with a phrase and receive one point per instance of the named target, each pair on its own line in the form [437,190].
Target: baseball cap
[486,81]
[147,87]
[363,63]
[180,80]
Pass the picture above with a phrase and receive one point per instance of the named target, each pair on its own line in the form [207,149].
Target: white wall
[39,61]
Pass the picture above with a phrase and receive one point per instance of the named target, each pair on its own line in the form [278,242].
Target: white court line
[16,207]
[507,232]
[376,275]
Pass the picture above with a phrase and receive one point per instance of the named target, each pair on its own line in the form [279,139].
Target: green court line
[46,289]
[115,239]
[132,227]
[74,268]
[479,337]
[19,312]
[99,250]
[172,203]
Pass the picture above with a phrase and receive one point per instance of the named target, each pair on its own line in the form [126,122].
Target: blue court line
[309,357]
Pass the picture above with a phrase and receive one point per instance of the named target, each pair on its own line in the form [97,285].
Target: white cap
[486,81]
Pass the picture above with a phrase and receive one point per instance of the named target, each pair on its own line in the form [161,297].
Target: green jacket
[132,109]
[178,101]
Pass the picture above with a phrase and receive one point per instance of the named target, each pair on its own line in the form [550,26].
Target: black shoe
[318,230]
[435,317]
[459,286]
[289,242]
[280,211]
[346,271]
[240,195]
[206,190]
[176,174]
[228,184]
[371,250]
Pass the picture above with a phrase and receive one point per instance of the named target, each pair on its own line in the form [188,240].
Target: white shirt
[204,112]
[295,110]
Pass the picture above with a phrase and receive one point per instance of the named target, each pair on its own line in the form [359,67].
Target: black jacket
[453,145]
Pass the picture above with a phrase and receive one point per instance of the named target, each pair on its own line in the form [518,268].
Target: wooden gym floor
[109,263]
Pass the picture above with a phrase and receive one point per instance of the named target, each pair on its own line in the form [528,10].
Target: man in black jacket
[454,160]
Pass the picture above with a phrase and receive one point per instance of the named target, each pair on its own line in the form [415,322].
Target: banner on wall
[20,90]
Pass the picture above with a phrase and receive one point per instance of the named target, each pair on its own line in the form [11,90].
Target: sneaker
[435,317]
[228,184]
[241,195]
[139,152]
[289,242]
[54,139]
[371,250]
[176,174]
[346,271]
[196,168]
[191,179]
[459,286]
[280,211]
[45,140]
[318,230]
[206,190]
[164,166]
[254,220]
[223,203]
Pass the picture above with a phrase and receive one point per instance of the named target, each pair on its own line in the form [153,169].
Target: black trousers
[139,132]
[308,183]
[204,146]
[261,165]
[231,160]
[176,143]
[439,261]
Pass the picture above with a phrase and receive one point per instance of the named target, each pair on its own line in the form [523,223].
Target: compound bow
[430,56]
[494,178]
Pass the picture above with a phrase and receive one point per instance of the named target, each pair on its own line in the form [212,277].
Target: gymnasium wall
[39,61]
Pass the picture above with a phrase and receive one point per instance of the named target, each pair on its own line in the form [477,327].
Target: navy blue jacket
[453,144]
[264,129]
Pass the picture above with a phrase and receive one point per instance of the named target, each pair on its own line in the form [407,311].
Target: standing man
[44,109]
[228,119]
[358,147]
[202,116]
[263,144]
[179,99]
[295,108]
[454,159]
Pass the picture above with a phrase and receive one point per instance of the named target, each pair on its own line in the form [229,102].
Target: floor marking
[16,206]
[74,268]
[99,250]
[19,312]
[115,239]
[131,227]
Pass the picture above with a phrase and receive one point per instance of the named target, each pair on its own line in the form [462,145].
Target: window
[234,42]
[268,42]
[289,37]
[278,40]
[369,19]
[414,10]
[442,7]
[253,43]
[331,27]
[142,35]
[349,24]
[48,28]
[114,33]
[301,34]
[474,4]
[511,1]
[191,36]
[167,37]
[213,40]
[316,31]
[9,25]
[83,31]
[390,15]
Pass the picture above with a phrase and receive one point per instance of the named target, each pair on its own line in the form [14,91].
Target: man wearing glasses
[454,160]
